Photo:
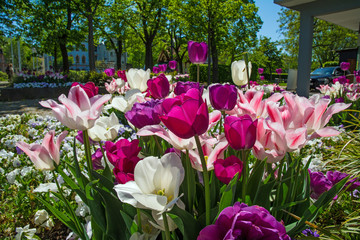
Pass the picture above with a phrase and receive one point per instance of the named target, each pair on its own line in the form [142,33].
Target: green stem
[166,225]
[188,181]
[244,173]
[158,145]
[88,153]
[198,72]
[103,153]
[138,212]
[70,209]
[206,180]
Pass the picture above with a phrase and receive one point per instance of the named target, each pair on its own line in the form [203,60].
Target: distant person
[10,71]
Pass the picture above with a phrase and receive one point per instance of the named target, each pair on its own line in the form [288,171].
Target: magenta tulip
[278,71]
[260,71]
[223,97]
[262,77]
[90,88]
[158,87]
[240,131]
[163,67]
[110,72]
[225,170]
[156,70]
[172,64]
[197,52]
[43,156]
[186,115]
[345,66]
[183,87]
[122,74]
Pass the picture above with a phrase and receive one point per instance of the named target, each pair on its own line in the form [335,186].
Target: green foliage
[84,76]
[224,73]
[330,64]
[3,76]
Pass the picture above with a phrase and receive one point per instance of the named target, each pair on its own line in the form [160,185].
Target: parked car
[322,76]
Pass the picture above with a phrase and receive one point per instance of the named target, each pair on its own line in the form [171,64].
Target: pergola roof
[345,13]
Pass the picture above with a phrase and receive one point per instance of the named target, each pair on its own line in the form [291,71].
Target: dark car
[323,76]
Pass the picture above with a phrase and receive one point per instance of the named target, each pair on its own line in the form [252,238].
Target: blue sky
[268,11]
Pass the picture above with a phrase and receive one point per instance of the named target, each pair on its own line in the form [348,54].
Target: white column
[305,52]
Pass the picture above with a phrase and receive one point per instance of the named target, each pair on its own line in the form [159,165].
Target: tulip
[318,184]
[345,66]
[162,67]
[137,78]
[278,71]
[110,72]
[186,115]
[90,88]
[239,72]
[262,77]
[225,170]
[122,149]
[183,87]
[337,176]
[105,128]
[197,52]
[125,103]
[260,71]
[144,114]
[80,138]
[158,87]
[156,183]
[77,111]
[244,222]
[96,159]
[122,74]
[240,131]
[156,70]
[172,64]
[43,156]
[223,97]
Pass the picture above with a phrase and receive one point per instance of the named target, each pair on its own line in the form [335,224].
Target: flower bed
[193,164]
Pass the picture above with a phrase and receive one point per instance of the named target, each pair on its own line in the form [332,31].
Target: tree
[220,19]
[327,39]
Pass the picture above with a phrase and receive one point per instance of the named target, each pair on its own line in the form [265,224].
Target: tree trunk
[91,47]
[118,53]
[148,55]
[215,59]
[64,55]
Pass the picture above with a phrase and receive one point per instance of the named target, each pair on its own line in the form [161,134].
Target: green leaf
[104,181]
[255,179]
[228,196]
[186,223]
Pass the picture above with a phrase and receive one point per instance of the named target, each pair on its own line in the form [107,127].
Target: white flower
[11,176]
[156,184]
[239,73]
[125,103]
[42,219]
[45,187]
[25,232]
[105,128]
[137,78]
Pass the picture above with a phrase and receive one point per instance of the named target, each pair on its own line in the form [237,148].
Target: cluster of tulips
[212,162]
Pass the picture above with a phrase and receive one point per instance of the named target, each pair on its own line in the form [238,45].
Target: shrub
[3,77]
[331,64]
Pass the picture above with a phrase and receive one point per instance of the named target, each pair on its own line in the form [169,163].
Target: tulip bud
[260,71]
[223,97]
[240,131]
[197,52]
[239,73]
[225,170]
[158,87]
[156,70]
[109,72]
[172,65]
[345,66]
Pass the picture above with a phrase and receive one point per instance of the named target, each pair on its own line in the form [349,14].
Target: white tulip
[238,72]
[125,103]
[105,128]
[156,183]
[137,78]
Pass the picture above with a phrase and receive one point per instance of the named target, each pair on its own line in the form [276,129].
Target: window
[77,59]
[83,59]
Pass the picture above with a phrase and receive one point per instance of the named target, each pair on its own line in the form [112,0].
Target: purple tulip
[345,66]
[278,71]
[262,77]
[319,184]
[225,170]
[341,80]
[243,222]
[80,138]
[172,64]
[144,114]
[156,70]
[197,52]
[337,176]
[158,87]
[183,87]
[163,67]
[339,100]
[109,72]
[223,97]
[260,71]
[96,159]
[240,131]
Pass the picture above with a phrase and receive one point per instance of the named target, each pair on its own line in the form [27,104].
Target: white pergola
[345,13]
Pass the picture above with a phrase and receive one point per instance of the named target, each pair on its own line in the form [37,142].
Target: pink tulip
[186,115]
[77,111]
[43,156]
[122,74]
[172,64]
[260,71]
[225,170]
[197,52]
[90,88]
[158,87]
[240,131]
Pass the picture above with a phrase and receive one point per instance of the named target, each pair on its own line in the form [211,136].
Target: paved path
[23,106]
